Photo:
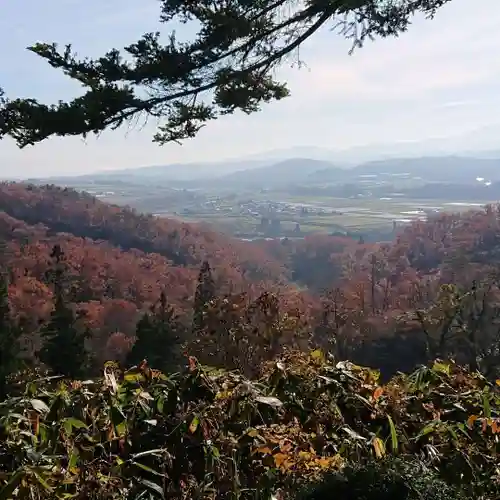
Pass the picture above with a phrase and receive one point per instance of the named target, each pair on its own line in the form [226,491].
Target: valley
[296,197]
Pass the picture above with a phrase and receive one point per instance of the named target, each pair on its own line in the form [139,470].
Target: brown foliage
[383,304]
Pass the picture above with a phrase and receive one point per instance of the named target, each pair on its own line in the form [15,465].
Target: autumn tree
[205,292]
[228,65]
[10,347]
[157,337]
[63,348]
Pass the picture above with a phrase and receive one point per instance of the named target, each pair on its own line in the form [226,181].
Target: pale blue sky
[440,78]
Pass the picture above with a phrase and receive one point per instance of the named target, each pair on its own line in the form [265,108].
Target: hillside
[265,296]
[185,245]
[291,171]
[117,263]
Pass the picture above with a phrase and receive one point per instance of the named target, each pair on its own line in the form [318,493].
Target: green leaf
[317,354]
[194,425]
[117,416]
[133,377]
[72,423]
[67,427]
[147,469]
[77,424]
[461,427]
[394,436]
[121,429]
[453,434]
[73,459]
[431,427]
[42,481]
[160,403]
[441,368]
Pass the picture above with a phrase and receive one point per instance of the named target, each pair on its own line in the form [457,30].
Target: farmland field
[243,213]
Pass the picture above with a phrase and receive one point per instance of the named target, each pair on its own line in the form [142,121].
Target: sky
[440,78]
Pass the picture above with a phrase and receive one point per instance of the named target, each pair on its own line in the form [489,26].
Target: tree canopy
[228,65]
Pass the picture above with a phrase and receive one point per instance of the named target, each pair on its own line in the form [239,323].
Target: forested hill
[186,245]
[386,305]
[116,265]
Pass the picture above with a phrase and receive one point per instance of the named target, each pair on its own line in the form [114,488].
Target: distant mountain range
[480,143]
[308,172]
[284,172]
[455,169]
[461,169]
[466,154]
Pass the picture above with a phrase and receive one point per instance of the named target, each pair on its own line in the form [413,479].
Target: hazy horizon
[437,80]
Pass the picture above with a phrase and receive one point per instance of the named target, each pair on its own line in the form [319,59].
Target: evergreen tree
[10,347]
[205,292]
[63,349]
[157,337]
[228,65]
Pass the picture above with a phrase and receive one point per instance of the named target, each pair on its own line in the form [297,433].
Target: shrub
[390,479]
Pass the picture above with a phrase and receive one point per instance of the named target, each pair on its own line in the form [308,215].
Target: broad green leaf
[441,368]
[67,427]
[134,377]
[194,425]
[121,429]
[429,428]
[73,460]
[77,424]
[160,403]
[117,416]
[453,434]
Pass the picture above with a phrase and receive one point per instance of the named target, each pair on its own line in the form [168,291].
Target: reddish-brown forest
[393,305]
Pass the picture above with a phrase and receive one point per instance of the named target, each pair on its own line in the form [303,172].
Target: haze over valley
[276,196]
